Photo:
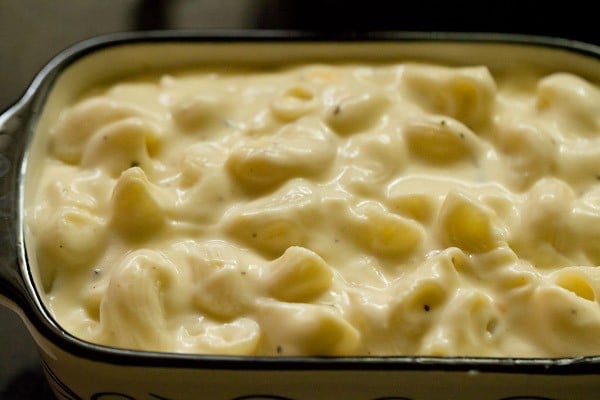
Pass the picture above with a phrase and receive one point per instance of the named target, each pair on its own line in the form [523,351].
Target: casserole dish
[80,370]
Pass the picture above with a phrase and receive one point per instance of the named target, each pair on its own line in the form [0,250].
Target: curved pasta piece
[571,323]
[446,265]
[223,293]
[368,311]
[299,275]
[385,234]
[212,264]
[584,223]
[139,209]
[62,192]
[70,221]
[414,313]
[468,224]
[271,225]
[135,309]
[579,163]
[418,206]
[465,93]
[205,190]
[206,201]
[91,298]
[72,187]
[356,111]
[200,113]
[471,325]
[440,140]
[584,226]
[584,282]
[544,236]
[428,287]
[370,160]
[238,337]
[120,145]
[204,258]
[503,271]
[425,295]
[519,278]
[438,187]
[305,329]
[303,149]
[419,197]
[69,239]
[294,102]
[199,159]
[395,319]
[269,232]
[530,152]
[77,125]
[575,101]
[263,123]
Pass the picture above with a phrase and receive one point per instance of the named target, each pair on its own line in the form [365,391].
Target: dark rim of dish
[21,289]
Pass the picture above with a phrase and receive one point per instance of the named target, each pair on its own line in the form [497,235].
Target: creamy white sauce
[404,209]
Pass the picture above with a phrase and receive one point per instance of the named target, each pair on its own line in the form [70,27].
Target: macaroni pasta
[405,209]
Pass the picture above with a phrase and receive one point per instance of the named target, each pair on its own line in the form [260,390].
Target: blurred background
[33,31]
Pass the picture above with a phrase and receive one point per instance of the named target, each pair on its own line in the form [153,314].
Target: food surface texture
[326,209]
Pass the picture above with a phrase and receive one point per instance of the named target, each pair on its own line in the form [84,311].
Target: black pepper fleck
[337,110]
[426,307]
[279,349]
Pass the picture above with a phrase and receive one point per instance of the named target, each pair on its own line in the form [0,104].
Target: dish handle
[13,139]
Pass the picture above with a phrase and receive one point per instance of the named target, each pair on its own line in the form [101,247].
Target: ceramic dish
[81,370]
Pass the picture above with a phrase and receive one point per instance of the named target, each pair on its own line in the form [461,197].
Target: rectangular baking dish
[81,370]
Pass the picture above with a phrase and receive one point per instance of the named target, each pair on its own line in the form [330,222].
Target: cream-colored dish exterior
[354,208]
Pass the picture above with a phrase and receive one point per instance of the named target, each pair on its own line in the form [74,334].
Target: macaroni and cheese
[325,209]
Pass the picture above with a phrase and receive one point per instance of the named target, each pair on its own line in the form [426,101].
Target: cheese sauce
[406,209]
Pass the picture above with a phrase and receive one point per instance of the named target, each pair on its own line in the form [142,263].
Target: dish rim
[27,298]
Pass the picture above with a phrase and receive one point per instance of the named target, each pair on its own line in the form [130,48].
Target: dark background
[32,31]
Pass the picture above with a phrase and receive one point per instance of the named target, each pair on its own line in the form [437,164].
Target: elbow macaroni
[405,209]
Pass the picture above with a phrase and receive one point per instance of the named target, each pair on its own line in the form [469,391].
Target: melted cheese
[404,209]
